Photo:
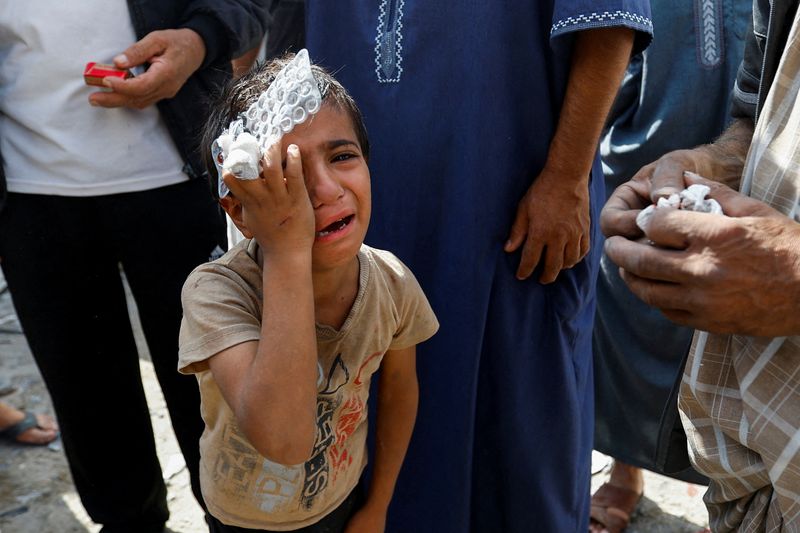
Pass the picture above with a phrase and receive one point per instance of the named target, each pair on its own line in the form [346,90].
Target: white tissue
[692,198]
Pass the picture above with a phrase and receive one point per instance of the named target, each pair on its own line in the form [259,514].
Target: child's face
[337,179]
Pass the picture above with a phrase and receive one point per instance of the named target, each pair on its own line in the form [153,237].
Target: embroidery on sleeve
[388,43]
[606,18]
[709,31]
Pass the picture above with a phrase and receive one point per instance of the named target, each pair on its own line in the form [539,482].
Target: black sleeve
[748,77]
[229,28]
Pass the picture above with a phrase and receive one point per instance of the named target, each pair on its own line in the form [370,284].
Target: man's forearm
[598,65]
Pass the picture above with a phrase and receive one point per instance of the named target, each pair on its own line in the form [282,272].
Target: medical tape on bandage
[289,100]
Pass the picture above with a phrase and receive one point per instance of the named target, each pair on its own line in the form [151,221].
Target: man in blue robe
[485,118]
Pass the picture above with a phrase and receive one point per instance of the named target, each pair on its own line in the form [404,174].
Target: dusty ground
[36,494]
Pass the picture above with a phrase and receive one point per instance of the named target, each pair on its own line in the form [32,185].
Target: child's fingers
[245,190]
[234,184]
[272,172]
[295,180]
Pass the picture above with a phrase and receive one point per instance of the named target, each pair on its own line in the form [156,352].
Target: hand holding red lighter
[165,60]
[94,73]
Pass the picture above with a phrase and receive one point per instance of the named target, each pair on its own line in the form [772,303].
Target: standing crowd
[446,197]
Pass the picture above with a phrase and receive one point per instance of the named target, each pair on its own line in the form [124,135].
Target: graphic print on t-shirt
[278,489]
[330,455]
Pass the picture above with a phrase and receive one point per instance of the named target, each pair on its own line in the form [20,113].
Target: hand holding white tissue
[738,273]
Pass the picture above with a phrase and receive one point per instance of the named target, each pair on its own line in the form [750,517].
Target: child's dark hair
[240,93]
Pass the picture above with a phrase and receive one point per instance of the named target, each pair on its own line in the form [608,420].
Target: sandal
[613,506]
[14,431]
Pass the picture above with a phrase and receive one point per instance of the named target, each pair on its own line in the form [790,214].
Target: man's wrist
[726,156]
[564,180]
[791,244]
[567,164]
[205,28]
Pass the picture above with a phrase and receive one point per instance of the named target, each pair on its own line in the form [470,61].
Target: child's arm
[398,396]
[271,385]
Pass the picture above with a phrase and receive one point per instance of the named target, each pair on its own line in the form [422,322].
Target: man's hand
[367,520]
[552,219]
[721,161]
[735,274]
[656,180]
[173,55]
[275,207]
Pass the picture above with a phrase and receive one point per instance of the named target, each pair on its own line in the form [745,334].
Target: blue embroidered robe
[461,100]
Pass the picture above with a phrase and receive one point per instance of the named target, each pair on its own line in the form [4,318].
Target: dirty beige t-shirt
[222,303]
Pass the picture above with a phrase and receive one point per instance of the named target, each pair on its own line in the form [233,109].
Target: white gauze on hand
[243,156]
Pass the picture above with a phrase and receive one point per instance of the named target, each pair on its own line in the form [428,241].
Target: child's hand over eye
[275,207]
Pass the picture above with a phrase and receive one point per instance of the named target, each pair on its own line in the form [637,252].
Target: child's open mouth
[339,225]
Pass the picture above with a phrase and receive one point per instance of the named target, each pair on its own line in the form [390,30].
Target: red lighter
[94,73]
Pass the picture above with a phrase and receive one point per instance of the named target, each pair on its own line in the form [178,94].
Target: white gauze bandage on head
[692,198]
[290,99]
